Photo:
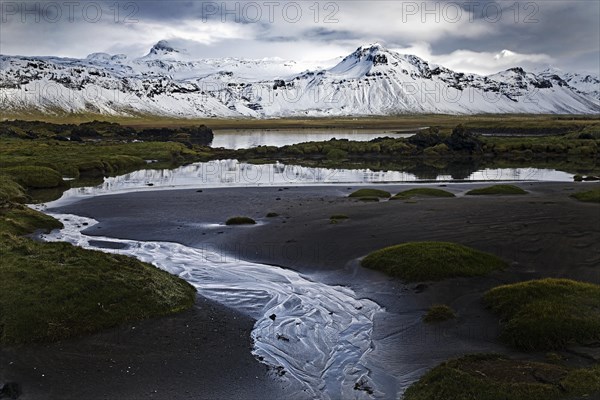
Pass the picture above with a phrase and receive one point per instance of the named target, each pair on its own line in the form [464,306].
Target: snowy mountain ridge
[370,81]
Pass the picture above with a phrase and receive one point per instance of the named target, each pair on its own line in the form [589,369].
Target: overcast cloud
[482,36]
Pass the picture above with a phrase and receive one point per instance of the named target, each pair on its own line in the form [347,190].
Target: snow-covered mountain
[370,81]
[584,83]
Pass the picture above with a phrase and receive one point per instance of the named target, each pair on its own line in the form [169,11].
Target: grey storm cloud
[318,34]
[470,34]
[568,31]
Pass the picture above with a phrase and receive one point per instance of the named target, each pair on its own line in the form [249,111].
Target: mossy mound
[494,377]
[361,193]
[272,215]
[547,314]
[497,190]
[35,177]
[439,313]
[52,291]
[422,192]
[22,220]
[11,191]
[240,221]
[590,196]
[432,261]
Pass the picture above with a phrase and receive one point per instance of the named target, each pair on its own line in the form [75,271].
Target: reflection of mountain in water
[233,173]
[454,169]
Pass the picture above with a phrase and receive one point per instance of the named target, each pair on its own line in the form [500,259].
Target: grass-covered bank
[533,123]
[99,130]
[52,291]
[495,377]
[38,164]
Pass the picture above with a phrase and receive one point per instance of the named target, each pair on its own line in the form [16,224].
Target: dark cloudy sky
[482,36]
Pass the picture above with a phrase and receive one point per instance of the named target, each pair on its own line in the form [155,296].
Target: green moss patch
[240,221]
[583,382]
[24,159]
[497,190]
[337,218]
[361,193]
[21,220]
[11,191]
[422,192]
[51,291]
[547,314]
[494,377]
[439,313]
[432,261]
[590,196]
[34,176]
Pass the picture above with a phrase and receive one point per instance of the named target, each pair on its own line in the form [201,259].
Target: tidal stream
[308,331]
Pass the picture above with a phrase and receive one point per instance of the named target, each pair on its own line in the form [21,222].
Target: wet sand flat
[545,232]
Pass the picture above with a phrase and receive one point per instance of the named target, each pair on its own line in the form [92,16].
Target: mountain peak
[369,51]
[105,57]
[164,49]
[373,47]
[517,70]
[365,58]
[374,54]
[163,45]
[99,56]
[504,54]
